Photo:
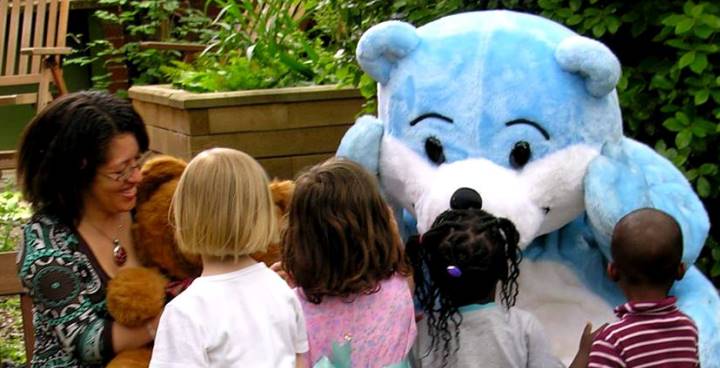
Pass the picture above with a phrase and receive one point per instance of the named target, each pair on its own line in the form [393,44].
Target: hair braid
[485,250]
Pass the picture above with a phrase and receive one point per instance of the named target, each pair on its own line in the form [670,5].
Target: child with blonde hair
[343,251]
[238,313]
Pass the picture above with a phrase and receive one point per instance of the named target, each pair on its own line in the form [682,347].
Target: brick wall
[119,73]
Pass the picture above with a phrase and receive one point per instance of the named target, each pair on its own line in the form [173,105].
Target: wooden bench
[10,286]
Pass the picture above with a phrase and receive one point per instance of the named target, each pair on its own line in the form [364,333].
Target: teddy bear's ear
[282,192]
[381,47]
[156,171]
[592,60]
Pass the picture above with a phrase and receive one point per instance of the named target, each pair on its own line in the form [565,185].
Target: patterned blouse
[67,286]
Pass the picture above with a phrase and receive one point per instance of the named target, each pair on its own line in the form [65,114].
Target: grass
[12,213]
[12,344]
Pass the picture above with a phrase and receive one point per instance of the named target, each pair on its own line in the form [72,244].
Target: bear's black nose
[465,198]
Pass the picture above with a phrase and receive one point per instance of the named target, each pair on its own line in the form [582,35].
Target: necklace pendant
[119,253]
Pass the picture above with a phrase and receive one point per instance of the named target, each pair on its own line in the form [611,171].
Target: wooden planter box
[285,129]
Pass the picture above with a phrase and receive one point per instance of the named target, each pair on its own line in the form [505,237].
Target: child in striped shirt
[652,332]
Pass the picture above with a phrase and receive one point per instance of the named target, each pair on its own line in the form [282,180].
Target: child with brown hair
[238,313]
[343,251]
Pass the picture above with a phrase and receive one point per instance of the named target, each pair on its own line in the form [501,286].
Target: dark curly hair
[341,238]
[458,262]
[62,147]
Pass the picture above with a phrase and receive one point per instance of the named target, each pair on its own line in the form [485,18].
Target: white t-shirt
[245,318]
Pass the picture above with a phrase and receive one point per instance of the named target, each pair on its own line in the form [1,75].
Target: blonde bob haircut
[222,206]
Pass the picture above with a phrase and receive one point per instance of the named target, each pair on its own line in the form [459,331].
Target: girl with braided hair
[466,259]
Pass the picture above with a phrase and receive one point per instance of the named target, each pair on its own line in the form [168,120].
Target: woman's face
[114,188]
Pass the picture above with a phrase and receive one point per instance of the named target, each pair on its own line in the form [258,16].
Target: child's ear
[680,271]
[612,272]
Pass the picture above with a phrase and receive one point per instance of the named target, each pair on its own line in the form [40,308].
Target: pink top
[381,326]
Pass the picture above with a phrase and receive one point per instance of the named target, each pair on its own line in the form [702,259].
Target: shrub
[13,212]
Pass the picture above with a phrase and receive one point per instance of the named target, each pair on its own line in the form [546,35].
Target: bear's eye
[520,154]
[434,150]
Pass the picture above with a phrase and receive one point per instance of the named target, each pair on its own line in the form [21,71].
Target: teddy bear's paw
[628,176]
[136,295]
[136,358]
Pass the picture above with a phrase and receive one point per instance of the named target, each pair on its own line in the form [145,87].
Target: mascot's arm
[361,143]
[628,176]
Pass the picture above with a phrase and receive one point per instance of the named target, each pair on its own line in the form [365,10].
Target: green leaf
[673,19]
[699,63]
[660,82]
[598,30]
[703,31]
[703,187]
[613,23]
[711,20]
[715,96]
[709,170]
[701,97]
[715,272]
[707,48]
[683,118]
[683,138]
[688,7]
[564,12]
[716,253]
[575,4]
[679,159]
[684,25]
[574,20]
[686,59]
[697,10]
[673,125]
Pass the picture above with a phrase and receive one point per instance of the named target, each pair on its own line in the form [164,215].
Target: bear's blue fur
[524,111]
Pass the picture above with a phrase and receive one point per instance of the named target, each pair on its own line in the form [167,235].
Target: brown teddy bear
[137,295]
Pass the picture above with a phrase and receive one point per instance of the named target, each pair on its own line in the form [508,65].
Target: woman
[79,167]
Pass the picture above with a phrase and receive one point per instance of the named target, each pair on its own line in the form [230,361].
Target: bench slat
[9,282]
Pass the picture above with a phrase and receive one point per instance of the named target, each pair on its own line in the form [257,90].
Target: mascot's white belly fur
[562,304]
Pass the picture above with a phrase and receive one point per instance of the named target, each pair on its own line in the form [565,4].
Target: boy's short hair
[647,247]
[222,206]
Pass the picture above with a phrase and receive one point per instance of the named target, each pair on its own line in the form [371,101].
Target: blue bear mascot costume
[524,111]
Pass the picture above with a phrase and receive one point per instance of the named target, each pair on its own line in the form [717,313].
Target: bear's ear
[381,47]
[592,60]
[282,192]
[157,171]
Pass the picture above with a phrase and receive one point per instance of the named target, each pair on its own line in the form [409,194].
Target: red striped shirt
[649,334]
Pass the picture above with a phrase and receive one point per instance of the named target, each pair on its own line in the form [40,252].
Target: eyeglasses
[129,170]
